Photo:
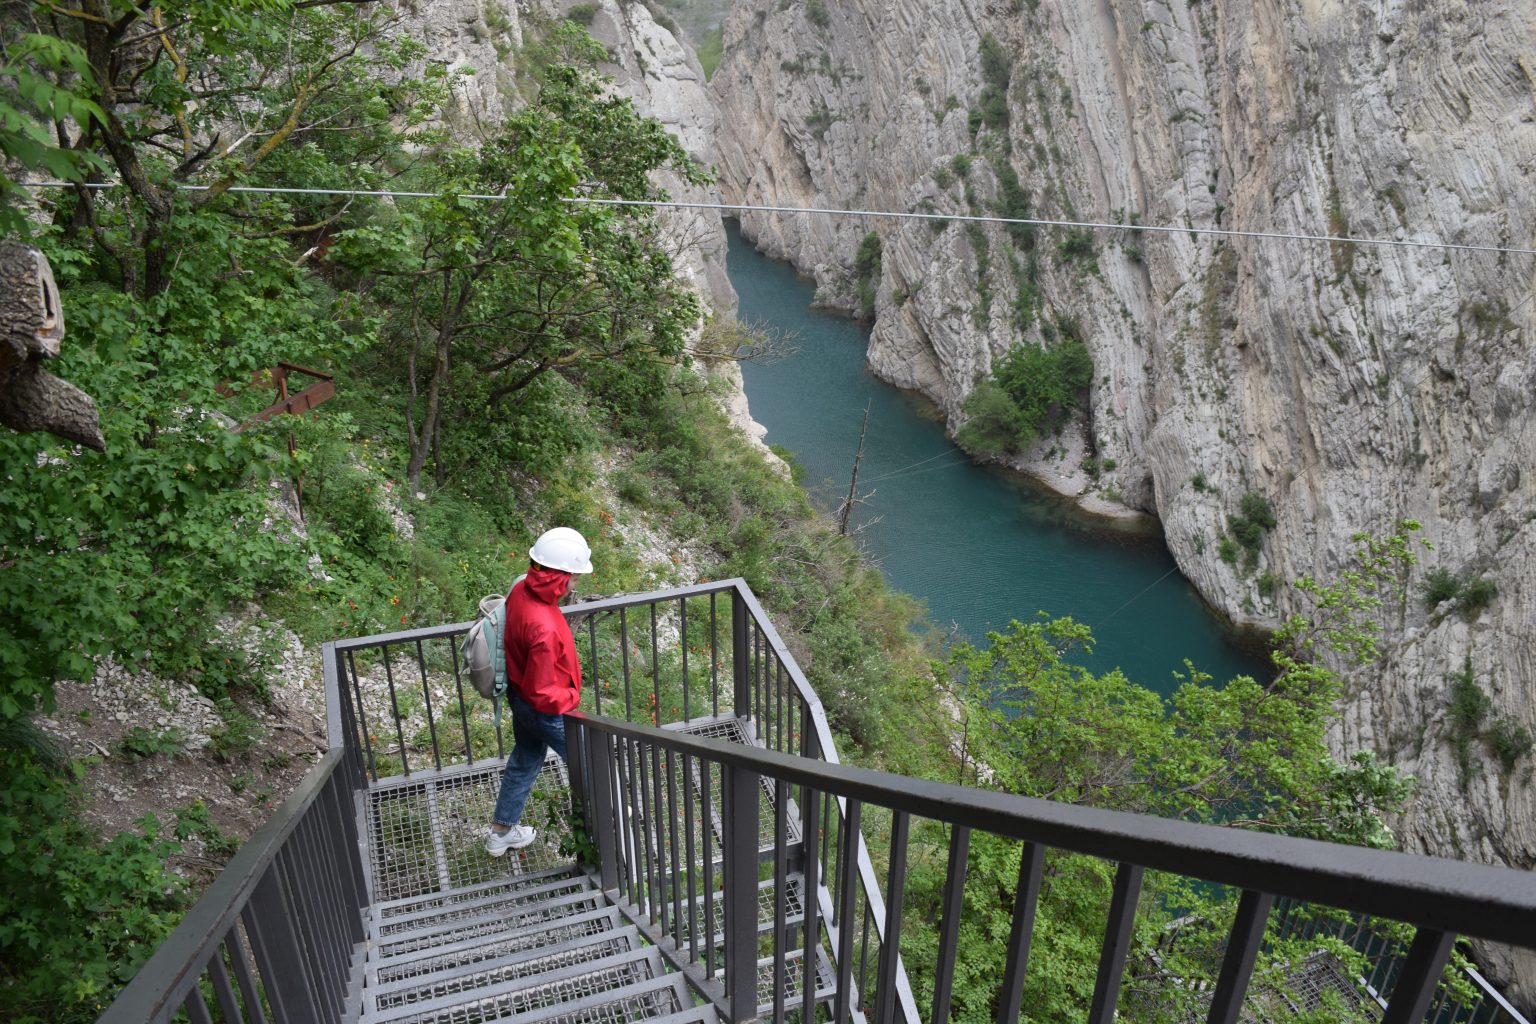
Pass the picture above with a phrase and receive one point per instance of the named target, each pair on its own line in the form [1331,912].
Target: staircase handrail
[247,914]
[1441,898]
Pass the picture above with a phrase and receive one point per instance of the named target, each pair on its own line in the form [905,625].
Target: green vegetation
[1246,755]
[996,70]
[866,269]
[816,12]
[710,49]
[1470,593]
[1247,528]
[1030,392]
[491,357]
[1467,720]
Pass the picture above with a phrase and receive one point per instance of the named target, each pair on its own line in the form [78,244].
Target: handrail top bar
[209,920]
[577,609]
[1478,900]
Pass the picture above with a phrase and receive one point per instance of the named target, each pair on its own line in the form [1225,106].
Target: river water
[979,546]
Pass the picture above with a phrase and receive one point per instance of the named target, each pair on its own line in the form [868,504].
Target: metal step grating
[468,952]
[384,910]
[642,1003]
[825,980]
[455,931]
[505,971]
[502,903]
[579,985]
[427,834]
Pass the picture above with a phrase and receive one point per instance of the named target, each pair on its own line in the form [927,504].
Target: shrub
[582,14]
[1439,585]
[79,914]
[1476,595]
[1077,244]
[1249,525]
[816,11]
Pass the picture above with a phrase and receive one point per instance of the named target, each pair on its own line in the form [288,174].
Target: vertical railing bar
[1117,943]
[810,825]
[682,611]
[714,660]
[742,798]
[832,853]
[362,714]
[864,920]
[598,802]
[240,961]
[597,679]
[332,871]
[643,833]
[780,891]
[949,926]
[291,868]
[741,661]
[1422,969]
[458,689]
[426,694]
[1026,898]
[394,710]
[895,887]
[692,855]
[629,707]
[848,859]
[672,851]
[299,870]
[706,834]
[277,956]
[1243,945]
[662,910]
[783,691]
[327,926]
[759,687]
[655,670]
[197,1010]
[223,991]
[347,845]
[624,810]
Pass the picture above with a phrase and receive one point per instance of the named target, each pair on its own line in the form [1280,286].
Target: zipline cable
[832,211]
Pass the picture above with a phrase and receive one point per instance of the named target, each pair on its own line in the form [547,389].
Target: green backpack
[484,660]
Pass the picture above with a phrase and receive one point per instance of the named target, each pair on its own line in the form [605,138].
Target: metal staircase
[455,936]
[723,874]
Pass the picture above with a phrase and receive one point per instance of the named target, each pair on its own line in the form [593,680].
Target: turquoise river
[980,547]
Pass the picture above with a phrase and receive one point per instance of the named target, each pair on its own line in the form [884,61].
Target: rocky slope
[1350,386]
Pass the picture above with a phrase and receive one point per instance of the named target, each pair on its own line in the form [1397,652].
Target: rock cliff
[1348,385]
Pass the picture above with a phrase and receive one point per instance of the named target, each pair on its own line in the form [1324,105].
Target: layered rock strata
[1349,385]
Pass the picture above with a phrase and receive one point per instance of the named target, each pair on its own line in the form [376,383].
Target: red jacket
[540,651]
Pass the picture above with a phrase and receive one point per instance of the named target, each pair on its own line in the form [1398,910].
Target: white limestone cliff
[1351,386]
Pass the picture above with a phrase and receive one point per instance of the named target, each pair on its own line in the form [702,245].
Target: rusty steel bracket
[297,403]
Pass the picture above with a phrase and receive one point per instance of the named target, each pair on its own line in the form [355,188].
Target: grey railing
[1440,899]
[275,937]
[662,658]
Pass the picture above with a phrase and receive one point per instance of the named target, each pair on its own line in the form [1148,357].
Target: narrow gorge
[1350,386]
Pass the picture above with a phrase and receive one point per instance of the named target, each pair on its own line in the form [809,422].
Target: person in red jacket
[543,676]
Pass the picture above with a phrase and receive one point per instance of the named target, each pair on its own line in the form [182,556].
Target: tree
[489,296]
[172,294]
[1249,754]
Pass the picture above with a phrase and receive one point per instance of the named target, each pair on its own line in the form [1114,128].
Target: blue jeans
[533,735]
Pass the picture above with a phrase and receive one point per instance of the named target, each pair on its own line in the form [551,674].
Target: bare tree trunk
[447,324]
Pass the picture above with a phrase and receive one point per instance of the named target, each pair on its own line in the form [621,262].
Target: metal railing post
[741,652]
[741,787]
[600,785]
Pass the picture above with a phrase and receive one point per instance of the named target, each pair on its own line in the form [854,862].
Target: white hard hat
[564,549]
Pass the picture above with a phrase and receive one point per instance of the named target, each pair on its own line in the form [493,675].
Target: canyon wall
[1349,385]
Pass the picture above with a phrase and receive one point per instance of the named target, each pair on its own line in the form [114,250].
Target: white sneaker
[515,838]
